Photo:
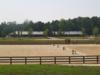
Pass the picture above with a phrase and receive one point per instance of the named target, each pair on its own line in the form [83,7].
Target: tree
[3,29]
[62,24]
[83,31]
[46,32]
[55,25]
[19,30]
[30,32]
[89,26]
[95,31]
[48,26]
[39,26]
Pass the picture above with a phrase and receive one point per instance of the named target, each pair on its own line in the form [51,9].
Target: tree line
[89,26]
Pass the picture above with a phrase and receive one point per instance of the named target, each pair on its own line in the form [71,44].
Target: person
[63,48]
[53,44]
[73,52]
[57,45]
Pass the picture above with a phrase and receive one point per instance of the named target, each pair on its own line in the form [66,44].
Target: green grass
[47,70]
[45,40]
[29,41]
[72,37]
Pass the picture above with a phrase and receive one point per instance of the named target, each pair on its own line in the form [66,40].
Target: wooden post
[97,59]
[83,59]
[54,60]
[10,60]
[25,60]
[69,41]
[40,60]
[69,59]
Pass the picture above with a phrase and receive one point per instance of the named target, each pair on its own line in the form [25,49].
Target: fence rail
[50,60]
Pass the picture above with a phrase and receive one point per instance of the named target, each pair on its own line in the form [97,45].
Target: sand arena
[49,50]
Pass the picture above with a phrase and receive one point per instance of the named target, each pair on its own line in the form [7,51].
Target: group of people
[74,52]
[64,48]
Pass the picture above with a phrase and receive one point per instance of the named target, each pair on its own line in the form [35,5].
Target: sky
[47,10]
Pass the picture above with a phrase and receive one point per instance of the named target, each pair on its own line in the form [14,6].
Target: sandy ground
[49,50]
[88,49]
[33,50]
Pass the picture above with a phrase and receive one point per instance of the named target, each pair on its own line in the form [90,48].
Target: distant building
[41,33]
[66,33]
[26,33]
[73,33]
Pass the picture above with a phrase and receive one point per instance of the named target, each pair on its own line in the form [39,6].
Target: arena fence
[50,60]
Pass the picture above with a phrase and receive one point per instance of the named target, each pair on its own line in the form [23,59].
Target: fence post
[97,59]
[69,59]
[10,60]
[40,60]
[54,60]
[25,60]
[83,59]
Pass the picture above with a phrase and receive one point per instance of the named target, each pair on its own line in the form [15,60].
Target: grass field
[47,70]
[38,40]
[48,40]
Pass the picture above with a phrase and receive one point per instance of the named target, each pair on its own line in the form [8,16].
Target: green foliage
[85,24]
[95,31]
[30,32]
[46,32]
[83,31]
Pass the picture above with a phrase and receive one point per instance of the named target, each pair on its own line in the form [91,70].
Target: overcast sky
[47,10]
